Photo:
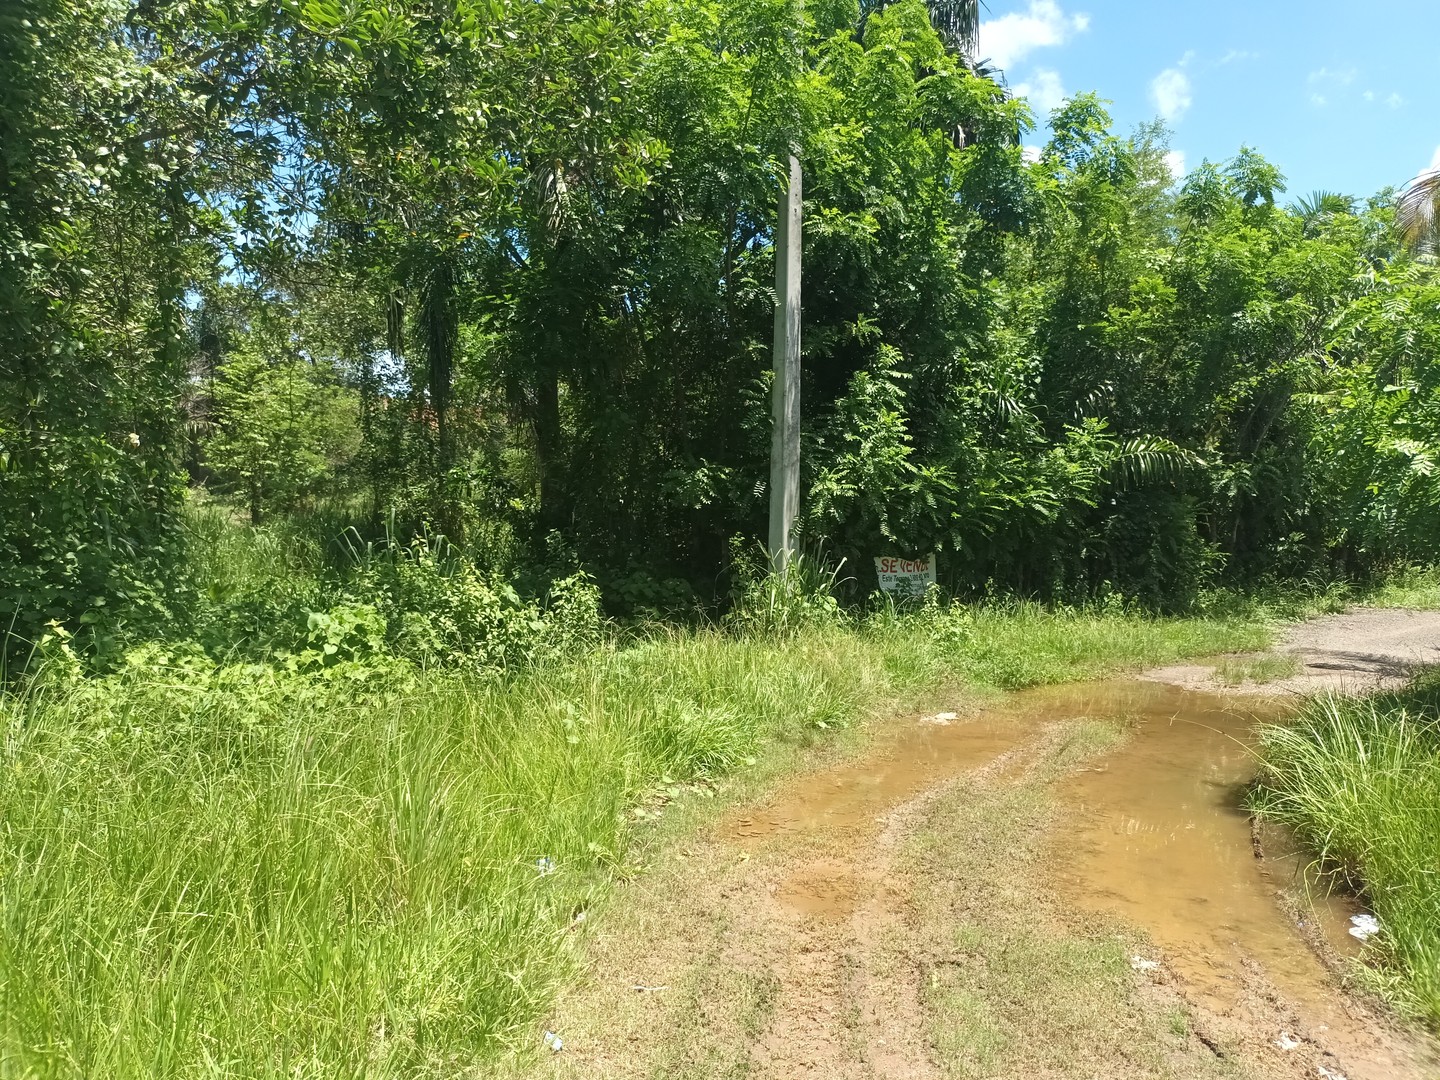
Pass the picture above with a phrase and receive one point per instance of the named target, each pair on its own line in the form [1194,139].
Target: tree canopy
[501,271]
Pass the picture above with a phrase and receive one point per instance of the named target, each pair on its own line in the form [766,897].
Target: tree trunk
[441,332]
[547,450]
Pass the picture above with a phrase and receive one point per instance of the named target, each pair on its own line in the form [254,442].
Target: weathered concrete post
[785,395]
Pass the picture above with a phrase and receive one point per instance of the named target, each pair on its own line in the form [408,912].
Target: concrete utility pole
[785,395]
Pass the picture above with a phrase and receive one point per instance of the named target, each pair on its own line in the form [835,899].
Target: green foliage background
[501,272]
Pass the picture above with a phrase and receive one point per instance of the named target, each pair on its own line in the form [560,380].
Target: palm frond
[1148,459]
[1415,209]
[1093,402]
[958,22]
[1322,204]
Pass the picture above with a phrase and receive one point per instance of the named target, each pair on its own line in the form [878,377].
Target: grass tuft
[1359,781]
[1260,669]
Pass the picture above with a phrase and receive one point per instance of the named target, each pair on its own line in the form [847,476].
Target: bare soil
[1352,653]
[1061,885]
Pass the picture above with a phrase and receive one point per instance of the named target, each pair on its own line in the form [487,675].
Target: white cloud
[1032,153]
[1009,39]
[1333,84]
[1044,90]
[1324,76]
[1236,56]
[1435,161]
[1170,90]
[1175,162]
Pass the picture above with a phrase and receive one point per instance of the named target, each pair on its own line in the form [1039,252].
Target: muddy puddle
[1156,833]
[915,758]
[1153,832]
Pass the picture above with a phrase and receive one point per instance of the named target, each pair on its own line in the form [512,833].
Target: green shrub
[442,610]
[770,603]
[349,632]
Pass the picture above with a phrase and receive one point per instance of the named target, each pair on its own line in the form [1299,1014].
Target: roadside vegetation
[383,453]
[1359,782]
[502,273]
[368,861]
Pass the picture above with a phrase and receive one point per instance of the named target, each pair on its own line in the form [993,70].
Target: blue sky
[1342,97]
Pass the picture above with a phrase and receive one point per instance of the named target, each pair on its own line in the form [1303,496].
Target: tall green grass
[377,871]
[257,874]
[1359,781]
[1012,645]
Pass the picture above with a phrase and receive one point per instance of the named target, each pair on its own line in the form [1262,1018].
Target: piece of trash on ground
[1328,1074]
[941,718]
[1286,1041]
[545,865]
[1364,927]
[554,1042]
[643,989]
[1139,963]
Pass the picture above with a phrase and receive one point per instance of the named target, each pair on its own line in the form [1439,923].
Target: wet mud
[911,760]
[1157,833]
[1154,833]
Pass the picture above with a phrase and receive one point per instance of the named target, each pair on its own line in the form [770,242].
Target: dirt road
[1061,885]
[1355,652]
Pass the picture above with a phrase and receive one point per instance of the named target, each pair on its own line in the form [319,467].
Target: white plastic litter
[1364,927]
[941,718]
[1286,1041]
[545,865]
[1139,963]
[1328,1074]
[554,1042]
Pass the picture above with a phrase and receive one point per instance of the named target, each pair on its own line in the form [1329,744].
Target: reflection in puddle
[1157,835]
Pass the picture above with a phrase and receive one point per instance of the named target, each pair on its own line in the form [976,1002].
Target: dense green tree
[503,271]
[282,424]
[98,241]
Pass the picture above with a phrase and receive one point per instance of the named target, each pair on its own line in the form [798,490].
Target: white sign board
[905,577]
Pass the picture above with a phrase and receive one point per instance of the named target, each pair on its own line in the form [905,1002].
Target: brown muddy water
[1153,832]
[919,756]
[1156,832]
